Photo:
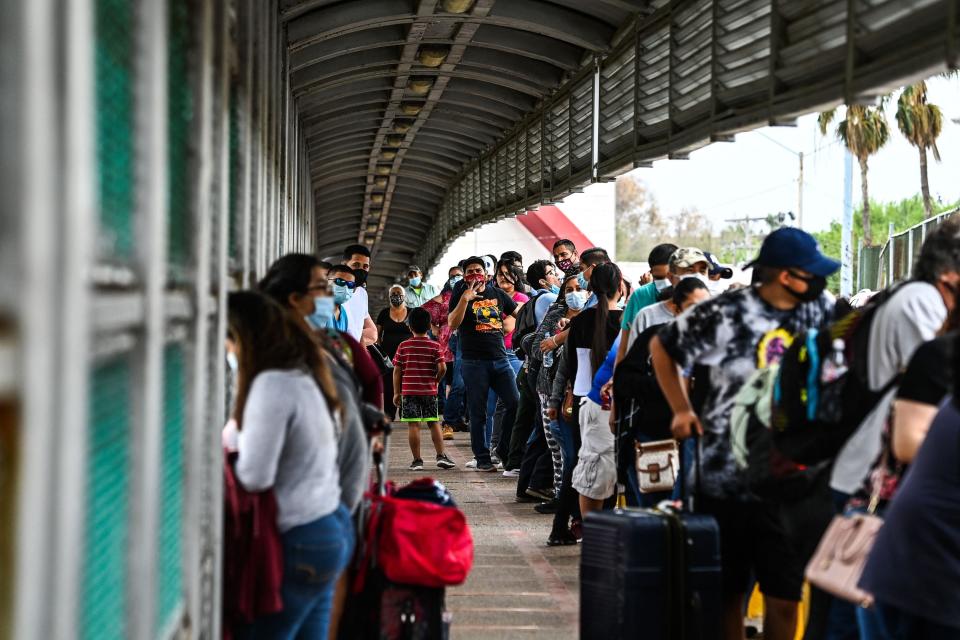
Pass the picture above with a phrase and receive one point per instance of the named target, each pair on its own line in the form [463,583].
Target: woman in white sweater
[285,412]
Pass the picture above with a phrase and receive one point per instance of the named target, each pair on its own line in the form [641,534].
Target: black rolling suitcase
[650,573]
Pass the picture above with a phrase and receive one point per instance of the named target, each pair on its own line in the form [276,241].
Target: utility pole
[800,194]
[846,233]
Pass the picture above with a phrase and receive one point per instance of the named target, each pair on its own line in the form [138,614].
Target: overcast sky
[755,176]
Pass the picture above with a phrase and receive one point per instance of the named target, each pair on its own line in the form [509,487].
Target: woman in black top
[589,340]
[392,329]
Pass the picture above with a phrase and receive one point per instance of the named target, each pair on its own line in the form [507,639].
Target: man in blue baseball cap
[730,337]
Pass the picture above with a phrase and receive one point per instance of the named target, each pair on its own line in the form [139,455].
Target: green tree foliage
[920,123]
[902,214]
[864,131]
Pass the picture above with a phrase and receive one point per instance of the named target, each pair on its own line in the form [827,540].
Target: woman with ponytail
[593,475]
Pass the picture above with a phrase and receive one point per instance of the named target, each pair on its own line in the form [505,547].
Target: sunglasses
[340,282]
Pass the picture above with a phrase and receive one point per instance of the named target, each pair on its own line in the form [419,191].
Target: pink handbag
[838,563]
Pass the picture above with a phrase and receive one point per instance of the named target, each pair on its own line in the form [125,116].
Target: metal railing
[896,257]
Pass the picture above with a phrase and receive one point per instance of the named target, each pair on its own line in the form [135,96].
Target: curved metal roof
[424,118]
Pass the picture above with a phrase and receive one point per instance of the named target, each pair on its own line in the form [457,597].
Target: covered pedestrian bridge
[159,153]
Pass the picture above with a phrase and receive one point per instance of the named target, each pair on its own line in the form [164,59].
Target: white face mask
[699,276]
[662,284]
[232,361]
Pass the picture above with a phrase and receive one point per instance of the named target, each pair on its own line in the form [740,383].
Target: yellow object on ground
[755,608]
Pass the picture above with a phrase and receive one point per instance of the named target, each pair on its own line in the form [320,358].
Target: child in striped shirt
[417,368]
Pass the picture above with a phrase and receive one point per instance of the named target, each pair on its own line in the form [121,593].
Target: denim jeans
[453,407]
[496,409]
[314,556]
[484,376]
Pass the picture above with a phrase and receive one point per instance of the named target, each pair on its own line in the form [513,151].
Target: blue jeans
[496,408]
[560,430]
[314,556]
[453,406]
[484,376]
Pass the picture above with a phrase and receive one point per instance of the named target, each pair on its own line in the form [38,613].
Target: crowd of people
[561,369]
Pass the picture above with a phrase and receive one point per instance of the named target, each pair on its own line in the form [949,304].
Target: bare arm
[911,421]
[370,333]
[685,421]
[397,383]
[441,370]
[509,324]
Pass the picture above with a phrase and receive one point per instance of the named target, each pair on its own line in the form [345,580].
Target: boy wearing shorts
[417,368]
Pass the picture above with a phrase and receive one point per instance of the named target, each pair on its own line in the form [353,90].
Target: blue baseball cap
[789,247]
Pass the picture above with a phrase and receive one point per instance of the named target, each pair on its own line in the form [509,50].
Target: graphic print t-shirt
[419,359]
[481,332]
[733,335]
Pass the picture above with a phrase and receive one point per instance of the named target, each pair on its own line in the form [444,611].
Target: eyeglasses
[340,282]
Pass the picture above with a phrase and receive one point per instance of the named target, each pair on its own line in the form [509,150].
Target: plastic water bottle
[835,366]
[548,356]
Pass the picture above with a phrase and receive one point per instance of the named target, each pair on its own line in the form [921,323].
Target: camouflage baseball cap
[687,257]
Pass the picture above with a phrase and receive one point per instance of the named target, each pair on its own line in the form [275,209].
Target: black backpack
[642,409]
[525,325]
[812,419]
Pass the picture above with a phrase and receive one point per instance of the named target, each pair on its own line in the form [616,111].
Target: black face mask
[360,276]
[815,286]
[396,300]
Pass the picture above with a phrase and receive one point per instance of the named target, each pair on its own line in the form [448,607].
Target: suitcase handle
[686,497]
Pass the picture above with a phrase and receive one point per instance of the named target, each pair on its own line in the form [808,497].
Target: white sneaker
[511,473]
[472,464]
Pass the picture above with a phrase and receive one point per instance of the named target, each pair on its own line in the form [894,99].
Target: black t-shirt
[580,342]
[930,373]
[481,332]
[393,332]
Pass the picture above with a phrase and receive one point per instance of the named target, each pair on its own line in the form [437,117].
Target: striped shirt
[419,361]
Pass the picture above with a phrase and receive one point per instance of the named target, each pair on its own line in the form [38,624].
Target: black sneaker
[527,499]
[546,508]
[561,539]
[416,465]
[444,462]
[541,494]
[486,467]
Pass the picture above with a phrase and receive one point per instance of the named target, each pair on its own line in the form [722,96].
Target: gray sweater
[288,442]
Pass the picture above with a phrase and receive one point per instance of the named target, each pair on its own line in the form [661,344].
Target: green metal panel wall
[103,601]
[114,103]
[180,114]
[170,565]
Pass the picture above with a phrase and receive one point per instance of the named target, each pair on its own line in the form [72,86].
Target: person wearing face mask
[392,329]
[418,291]
[451,387]
[343,285]
[565,256]
[362,328]
[730,337]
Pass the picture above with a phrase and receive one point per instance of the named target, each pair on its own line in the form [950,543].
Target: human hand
[685,424]
[646,278]
[562,324]
[396,400]
[552,413]
[607,389]
[470,293]
[548,344]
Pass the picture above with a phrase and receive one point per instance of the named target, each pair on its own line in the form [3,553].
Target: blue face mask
[415,282]
[576,299]
[454,280]
[554,289]
[322,316]
[582,281]
[341,294]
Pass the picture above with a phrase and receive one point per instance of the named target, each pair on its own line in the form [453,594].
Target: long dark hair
[289,274]
[684,289]
[269,337]
[605,284]
[514,274]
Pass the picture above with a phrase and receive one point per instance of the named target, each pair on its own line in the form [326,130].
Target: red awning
[549,224]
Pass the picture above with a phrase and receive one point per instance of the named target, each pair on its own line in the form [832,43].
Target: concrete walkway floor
[519,587]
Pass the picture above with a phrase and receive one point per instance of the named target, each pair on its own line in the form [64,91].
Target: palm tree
[863,132]
[920,123]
